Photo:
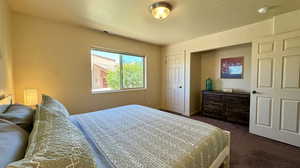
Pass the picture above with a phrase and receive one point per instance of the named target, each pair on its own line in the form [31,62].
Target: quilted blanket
[135,136]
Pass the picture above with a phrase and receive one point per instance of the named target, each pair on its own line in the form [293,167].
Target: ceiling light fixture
[263,10]
[161,10]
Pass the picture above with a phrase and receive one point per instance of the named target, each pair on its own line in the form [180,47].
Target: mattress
[137,136]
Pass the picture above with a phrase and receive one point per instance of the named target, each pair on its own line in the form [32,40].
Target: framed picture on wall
[232,68]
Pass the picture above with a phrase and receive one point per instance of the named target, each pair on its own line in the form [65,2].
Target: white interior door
[275,107]
[174,84]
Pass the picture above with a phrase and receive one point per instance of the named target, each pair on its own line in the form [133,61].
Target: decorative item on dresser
[232,107]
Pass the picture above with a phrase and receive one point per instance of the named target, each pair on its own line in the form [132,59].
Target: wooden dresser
[234,107]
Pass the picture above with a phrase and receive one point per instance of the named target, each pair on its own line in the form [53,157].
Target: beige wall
[6,81]
[55,59]
[210,68]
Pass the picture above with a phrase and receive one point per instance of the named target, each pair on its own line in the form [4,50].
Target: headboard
[5,99]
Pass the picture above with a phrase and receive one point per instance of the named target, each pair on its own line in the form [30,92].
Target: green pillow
[54,104]
[55,143]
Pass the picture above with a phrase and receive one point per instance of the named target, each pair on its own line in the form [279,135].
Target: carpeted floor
[251,151]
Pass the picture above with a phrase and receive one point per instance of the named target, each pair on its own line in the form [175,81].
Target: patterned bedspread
[140,137]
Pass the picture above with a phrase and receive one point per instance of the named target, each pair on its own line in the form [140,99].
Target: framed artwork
[232,68]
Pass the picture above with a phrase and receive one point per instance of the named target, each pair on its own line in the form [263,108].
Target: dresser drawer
[213,107]
[237,108]
[232,107]
[212,98]
[214,110]
[236,100]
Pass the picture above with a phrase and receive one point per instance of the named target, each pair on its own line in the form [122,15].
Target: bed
[137,136]
[131,136]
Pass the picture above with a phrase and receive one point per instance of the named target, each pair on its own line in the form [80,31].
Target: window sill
[116,91]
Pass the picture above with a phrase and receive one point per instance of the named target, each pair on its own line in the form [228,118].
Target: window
[113,71]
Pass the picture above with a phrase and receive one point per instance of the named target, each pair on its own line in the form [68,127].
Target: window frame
[122,89]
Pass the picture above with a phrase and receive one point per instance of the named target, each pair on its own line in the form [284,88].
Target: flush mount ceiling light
[161,10]
[263,10]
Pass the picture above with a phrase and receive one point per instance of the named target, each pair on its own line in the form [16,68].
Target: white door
[174,84]
[275,101]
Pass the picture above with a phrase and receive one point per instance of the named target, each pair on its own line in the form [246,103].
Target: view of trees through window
[116,71]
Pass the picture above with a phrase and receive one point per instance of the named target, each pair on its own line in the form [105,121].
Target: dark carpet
[252,151]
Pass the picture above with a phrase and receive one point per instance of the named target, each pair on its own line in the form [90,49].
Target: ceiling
[131,18]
